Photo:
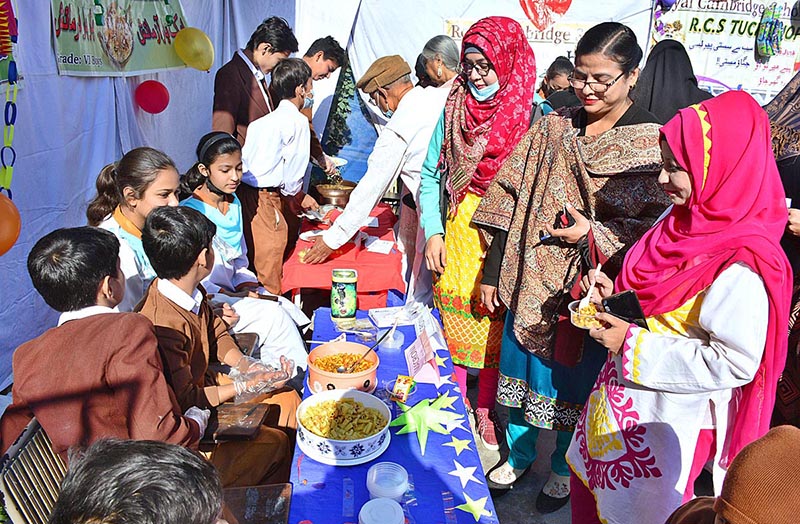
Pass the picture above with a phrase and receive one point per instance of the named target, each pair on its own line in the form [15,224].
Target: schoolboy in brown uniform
[98,374]
[177,241]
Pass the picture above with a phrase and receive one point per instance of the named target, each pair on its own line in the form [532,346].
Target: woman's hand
[574,233]
[793,226]
[436,254]
[612,335]
[489,297]
[602,289]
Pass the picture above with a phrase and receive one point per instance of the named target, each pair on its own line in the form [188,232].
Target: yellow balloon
[195,49]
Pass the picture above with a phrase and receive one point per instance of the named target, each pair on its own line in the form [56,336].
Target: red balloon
[10,224]
[152,96]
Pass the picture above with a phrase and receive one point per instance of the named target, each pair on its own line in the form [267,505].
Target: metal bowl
[335,194]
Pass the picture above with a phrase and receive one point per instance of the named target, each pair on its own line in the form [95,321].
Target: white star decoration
[450,425]
[464,474]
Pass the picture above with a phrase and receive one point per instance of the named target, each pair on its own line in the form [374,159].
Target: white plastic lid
[381,511]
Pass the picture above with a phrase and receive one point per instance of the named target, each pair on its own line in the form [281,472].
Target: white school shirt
[275,153]
[399,150]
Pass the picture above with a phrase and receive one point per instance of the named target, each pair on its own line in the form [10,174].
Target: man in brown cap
[762,485]
[399,150]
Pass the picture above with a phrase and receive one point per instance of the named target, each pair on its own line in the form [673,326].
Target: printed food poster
[116,38]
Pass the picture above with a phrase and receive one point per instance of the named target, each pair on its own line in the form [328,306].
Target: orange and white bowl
[321,380]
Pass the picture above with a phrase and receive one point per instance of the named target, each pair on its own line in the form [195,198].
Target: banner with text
[720,38]
[553,27]
[116,38]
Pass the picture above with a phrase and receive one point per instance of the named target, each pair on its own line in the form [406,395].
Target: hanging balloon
[152,96]
[10,224]
[195,49]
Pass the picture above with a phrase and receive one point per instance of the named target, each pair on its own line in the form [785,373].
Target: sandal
[554,494]
[504,477]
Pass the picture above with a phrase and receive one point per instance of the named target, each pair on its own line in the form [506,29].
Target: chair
[30,477]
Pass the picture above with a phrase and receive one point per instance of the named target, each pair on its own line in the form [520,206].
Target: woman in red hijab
[487,111]
[714,285]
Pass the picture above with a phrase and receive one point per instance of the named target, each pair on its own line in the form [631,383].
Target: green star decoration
[476,507]
[444,401]
[459,445]
[424,417]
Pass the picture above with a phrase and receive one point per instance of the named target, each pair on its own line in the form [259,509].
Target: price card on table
[421,361]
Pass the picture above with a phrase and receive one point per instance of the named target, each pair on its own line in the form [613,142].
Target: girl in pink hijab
[714,284]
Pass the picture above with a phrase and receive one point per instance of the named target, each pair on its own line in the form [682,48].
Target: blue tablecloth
[327,494]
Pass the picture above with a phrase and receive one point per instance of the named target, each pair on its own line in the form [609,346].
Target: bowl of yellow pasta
[343,427]
[326,358]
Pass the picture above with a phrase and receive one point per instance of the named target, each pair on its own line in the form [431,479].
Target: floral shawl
[612,177]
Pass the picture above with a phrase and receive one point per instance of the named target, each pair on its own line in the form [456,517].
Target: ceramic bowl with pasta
[343,427]
[325,358]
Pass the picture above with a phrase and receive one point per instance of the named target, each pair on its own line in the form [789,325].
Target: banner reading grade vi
[116,38]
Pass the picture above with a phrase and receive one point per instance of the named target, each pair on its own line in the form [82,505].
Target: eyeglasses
[483,68]
[597,87]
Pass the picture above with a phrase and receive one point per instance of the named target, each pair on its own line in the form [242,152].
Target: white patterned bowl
[343,452]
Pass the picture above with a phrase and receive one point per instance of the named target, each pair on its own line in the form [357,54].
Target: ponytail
[191,180]
[107,198]
[137,169]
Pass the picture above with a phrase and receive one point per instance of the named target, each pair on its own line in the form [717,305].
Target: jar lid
[381,511]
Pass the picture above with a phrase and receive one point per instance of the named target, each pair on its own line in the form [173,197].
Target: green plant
[337,130]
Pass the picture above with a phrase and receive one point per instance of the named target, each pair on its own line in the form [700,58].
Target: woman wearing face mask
[569,166]
[699,384]
[487,112]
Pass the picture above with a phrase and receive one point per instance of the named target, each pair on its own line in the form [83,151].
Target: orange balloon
[10,224]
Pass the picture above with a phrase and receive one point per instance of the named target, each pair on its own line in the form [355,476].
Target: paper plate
[309,235]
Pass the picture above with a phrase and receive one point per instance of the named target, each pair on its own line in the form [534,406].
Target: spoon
[351,367]
[585,300]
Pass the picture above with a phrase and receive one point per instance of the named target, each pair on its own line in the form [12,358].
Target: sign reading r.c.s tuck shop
[116,38]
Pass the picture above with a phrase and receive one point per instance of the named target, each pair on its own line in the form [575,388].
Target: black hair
[173,237]
[138,482]
[137,169]
[211,146]
[276,32]
[614,41]
[422,74]
[560,66]
[68,265]
[331,50]
[288,75]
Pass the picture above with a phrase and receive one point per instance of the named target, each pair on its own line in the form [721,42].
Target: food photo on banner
[116,38]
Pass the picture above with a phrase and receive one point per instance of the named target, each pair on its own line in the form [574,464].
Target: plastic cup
[387,480]
[393,341]
[381,511]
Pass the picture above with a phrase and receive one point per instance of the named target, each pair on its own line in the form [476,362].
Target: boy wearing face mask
[274,158]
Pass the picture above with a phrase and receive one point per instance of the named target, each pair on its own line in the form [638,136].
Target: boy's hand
[200,416]
[309,203]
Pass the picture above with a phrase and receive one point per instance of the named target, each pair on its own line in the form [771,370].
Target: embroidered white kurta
[635,440]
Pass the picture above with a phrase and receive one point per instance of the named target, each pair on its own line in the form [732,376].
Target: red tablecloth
[377,273]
